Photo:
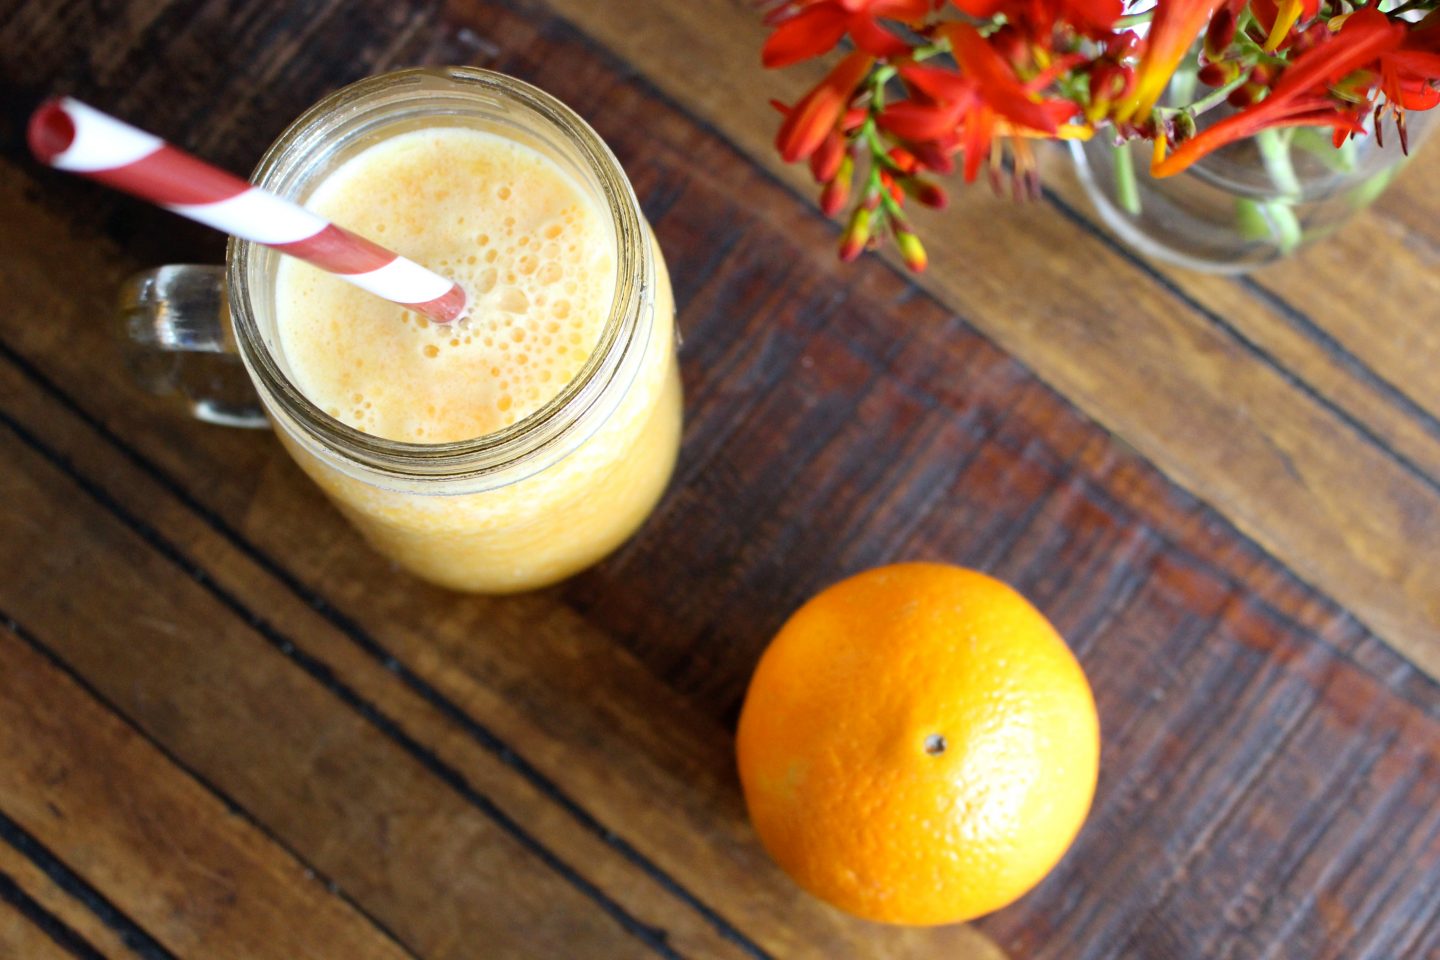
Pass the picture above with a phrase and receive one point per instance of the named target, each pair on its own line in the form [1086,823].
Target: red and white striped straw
[68,135]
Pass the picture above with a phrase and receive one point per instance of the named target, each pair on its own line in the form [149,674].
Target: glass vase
[1246,204]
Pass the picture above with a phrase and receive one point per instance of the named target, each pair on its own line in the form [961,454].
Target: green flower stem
[1127,187]
[1269,221]
[1274,146]
[1212,99]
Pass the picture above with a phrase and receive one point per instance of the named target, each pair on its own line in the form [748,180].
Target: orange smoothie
[535,253]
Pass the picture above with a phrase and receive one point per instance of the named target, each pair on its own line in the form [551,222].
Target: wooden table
[228,730]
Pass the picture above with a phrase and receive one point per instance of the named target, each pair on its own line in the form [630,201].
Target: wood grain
[1277,436]
[364,809]
[65,907]
[200,881]
[19,937]
[837,419]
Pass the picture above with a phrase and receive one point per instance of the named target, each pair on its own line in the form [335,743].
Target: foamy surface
[517,232]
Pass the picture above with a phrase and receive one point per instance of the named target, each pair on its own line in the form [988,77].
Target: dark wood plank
[328,772]
[118,811]
[44,891]
[20,937]
[1278,436]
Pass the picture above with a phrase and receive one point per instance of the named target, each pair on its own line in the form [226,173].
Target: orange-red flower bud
[912,251]
[856,235]
[932,156]
[917,121]
[930,194]
[1123,43]
[887,180]
[1110,81]
[825,161]
[837,191]
[1218,74]
[1246,95]
[1262,74]
[1220,33]
[903,159]
[809,33]
[814,117]
[853,118]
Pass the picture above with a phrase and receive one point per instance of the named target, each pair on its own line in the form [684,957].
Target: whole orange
[918,745]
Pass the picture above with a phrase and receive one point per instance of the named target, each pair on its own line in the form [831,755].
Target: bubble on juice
[539,292]
[513,300]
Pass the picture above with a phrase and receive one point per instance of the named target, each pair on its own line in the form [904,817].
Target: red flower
[1277,18]
[1408,75]
[808,28]
[813,119]
[1174,28]
[1301,97]
[968,107]
[996,83]
[1093,18]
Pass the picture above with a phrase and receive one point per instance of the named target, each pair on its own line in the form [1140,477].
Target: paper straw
[68,135]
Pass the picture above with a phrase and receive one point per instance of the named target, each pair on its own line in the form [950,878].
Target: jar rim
[556,427]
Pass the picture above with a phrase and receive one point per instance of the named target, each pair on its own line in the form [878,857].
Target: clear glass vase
[1248,203]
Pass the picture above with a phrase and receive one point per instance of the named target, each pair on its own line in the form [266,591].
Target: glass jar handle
[175,327]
